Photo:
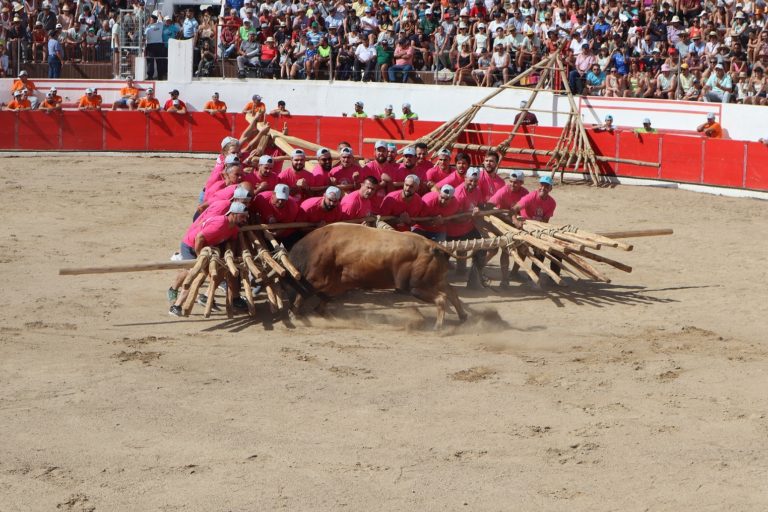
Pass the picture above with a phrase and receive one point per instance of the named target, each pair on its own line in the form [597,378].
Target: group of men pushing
[408,191]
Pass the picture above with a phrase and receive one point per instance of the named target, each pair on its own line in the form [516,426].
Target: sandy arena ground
[645,394]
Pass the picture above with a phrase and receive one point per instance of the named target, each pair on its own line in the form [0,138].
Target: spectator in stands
[255,107]
[39,42]
[388,113]
[595,81]
[18,35]
[149,103]
[88,101]
[666,84]
[47,18]
[384,58]
[189,28]
[403,61]
[280,111]
[19,102]
[215,106]
[174,104]
[154,49]
[359,112]
[268,59]
[646,128]
[129,96]
[719,86]
[170,30]
[248,54]
[607,125]
[55,54]
[711,128]
[365,60]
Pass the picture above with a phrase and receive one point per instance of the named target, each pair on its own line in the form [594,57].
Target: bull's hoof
[463,318]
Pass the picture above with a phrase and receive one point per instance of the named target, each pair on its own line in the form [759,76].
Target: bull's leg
[441,304]
[436,298]
[450,292]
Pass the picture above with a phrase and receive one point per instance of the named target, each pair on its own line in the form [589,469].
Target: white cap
[518,176]
[406,105]
[53,89]
[473,172]
[523,104]
[380,144]
[359,104]
[323,151]
[297,152]
[444,152]
[232,160]
[391,146]
[389,107]
[448,190]
[333,193]
[240,193]
[17,93]
[89,91]
[711,116]
[415,178]
[346,151]
[282,191]
[265,159]
[409,151]
[176,102]
[609,117]
[23,73]
[227,140]
[647,120]
[462,25]
[237,208]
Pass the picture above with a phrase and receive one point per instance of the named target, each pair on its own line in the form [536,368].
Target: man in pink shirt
[423,164]
[242,193]
[470,199]
[297,176]
[456,178]
[278,207]
[509,195]
[441,169]
[263,179]
[436,204]
[404,204]
[212,232]
[582,63]
[405,168]
[231,175]
[377,168]
[490,181]
[348,171]
[324,209]
[538,205]
[321,174]
[403,61]
[357,204]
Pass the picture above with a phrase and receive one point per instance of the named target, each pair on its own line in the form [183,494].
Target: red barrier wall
[682,158]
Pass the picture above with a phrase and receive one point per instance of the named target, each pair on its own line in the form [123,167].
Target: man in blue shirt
[189,28]
[55,53]
[602,26]
[170,29]
[155,50]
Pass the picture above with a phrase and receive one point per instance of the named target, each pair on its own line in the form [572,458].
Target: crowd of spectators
[707,50]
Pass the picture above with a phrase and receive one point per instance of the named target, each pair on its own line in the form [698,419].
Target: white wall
[431,102]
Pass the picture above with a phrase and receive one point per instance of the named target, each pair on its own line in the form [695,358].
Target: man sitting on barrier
[149,103]
[19,102]
[129,96]
[23,83]
[50,103]
[175,105]
[88,101]
[215,106]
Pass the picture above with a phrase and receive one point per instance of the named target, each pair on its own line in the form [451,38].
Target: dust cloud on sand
[644,394]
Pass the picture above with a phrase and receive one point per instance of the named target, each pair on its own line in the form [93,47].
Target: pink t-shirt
[216,208]
[505,198]
[431,207]
[354,206]
[224,193]
[375,169]
[214,189]
[256,179]
[401,173]
[454,179]
[467,201]
[289,176]
[269,214]
[436,174]
[395,204]
[313,211]
[218,167]
[489,184]
[344,175]
[320,178]
[535,208]
[421,168]
[215,230]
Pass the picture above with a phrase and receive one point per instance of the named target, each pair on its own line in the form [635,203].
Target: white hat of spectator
[333,193]
[647,120]
[392,147]
[150,90]
[232,160]
[389,107]
[380,144]
[523,104]
[18,7]
[448,190]
[59,26]
[462,25]
[346,151]
[237,208]
[270,39]
[481,25]
[246,20]
[240,193]
[444,152]
[89,90]
[464,12]
[17,93]
[23,73]
[675,19]
[711,116]
[719,66]
[49,94]
[473,172]
[409,151]
[609,117]
[406,105]
[282,191]
[517,176]
[297,152]
[323,151]
[359,104]
[46,5]
[38,23]
[427,11]
[227,140]
[265,160]
[739,15]
[368,9]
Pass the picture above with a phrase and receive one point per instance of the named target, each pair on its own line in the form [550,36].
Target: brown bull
[341,257]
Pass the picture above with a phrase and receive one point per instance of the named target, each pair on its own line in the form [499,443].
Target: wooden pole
[637,233]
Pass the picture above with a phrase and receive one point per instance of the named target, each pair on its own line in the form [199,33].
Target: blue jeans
[54,67]
[404,68]
[187,252]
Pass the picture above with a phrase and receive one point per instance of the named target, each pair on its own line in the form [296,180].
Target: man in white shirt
[365,59]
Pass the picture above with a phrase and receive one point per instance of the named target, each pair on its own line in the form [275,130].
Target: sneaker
[240,303]
[172,295]
[202,299]
[175,311]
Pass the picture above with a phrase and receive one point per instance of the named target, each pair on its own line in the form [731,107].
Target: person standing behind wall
[55,54]
[155,49]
